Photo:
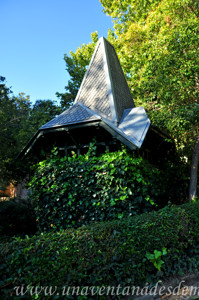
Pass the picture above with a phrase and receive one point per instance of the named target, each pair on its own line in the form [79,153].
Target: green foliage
[16,218]
[157,43]
[18,122]
[155,258]
[74,191]
[13,115]
[42,112]
[108,253]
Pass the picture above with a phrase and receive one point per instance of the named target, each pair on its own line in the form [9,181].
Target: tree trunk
[194,171]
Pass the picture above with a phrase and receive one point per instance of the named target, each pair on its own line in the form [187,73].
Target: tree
[19,120]
[76,65]
[157,42]
[13,114]
[42,112]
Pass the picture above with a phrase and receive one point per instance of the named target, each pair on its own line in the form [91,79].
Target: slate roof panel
[75,114]
[121,92]
[93,92]
[134,124]
[104,88]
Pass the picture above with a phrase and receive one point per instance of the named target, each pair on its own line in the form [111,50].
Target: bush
[108,253]
[73,191]
[16,218]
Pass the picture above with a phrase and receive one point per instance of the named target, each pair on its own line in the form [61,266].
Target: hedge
[107,253]
[75,191]
[17,217]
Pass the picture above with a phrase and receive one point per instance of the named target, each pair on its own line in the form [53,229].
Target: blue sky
[35,35]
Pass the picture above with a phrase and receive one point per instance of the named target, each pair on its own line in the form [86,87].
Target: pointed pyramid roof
[104,97]
[104,88]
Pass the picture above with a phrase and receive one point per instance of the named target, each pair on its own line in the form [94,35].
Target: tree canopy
[157,44]
[158,47]
[19,120]
[13,114]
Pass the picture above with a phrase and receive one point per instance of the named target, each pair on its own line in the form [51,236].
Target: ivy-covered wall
[74,191]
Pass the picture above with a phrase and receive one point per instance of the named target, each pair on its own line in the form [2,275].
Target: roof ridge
[108,82]
[104,88]
[84,78]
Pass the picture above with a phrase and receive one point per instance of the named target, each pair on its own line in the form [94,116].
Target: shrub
[16,218]
[73,191]
[109,253]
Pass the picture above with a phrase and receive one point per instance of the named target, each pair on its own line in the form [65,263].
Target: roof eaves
[30,144]
[118,135]
[145,132]
[134,124]
[132,140]
[43,131]
[71,124]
